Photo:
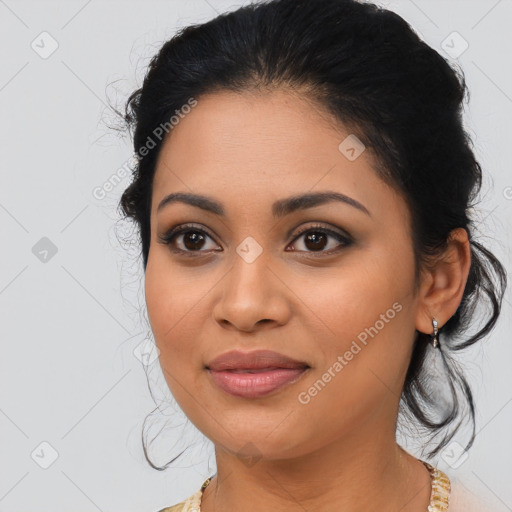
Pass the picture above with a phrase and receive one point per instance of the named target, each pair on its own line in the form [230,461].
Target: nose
[252,296]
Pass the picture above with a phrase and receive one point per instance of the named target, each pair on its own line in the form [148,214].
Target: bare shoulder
[464,500]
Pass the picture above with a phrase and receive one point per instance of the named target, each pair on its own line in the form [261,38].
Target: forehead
[256,147]
[257,127]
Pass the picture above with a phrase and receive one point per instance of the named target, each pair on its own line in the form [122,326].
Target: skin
[338,451]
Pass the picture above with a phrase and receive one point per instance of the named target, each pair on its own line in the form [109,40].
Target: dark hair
[365,65]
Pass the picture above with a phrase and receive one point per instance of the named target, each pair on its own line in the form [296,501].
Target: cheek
[366,313]
[158,301]
[178,309]
[365,330]
[167,306]
[356,295]
[169,314]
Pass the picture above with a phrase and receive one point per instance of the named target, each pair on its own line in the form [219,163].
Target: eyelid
[324,228]
[181,228]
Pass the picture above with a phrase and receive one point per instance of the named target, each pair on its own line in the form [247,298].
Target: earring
[434,335]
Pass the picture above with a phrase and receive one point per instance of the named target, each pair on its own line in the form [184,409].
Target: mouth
[255,374]
[254,370]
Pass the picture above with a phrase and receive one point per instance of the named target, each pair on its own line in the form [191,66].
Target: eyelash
[170,235]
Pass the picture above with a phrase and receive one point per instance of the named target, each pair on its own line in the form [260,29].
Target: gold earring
[434,335]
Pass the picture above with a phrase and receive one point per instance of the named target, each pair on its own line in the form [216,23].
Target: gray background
[71,321]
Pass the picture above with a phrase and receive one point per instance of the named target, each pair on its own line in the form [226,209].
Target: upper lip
[257,359]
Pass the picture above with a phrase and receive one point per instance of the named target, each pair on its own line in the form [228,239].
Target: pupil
[196,239]
[316,239]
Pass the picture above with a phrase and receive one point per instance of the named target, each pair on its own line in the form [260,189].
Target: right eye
[191,237]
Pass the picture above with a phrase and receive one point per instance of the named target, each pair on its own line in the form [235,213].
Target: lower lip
[254,385]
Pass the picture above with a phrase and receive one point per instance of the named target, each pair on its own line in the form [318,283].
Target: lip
[255,360]
[254,374]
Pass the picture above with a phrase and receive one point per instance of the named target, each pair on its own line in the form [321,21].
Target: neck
[360,473]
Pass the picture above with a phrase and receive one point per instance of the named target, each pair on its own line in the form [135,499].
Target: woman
[303,193]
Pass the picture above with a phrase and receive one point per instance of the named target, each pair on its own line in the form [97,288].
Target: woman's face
[280,279]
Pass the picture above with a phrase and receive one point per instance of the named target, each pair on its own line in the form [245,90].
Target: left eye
[193,240]
[315,239]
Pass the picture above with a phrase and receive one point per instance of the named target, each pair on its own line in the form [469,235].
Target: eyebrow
[280,208]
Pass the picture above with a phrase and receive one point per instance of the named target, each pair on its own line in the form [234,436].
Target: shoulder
[191,504]
[464,500]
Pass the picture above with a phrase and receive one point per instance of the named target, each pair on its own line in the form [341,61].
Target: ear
[442,285]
